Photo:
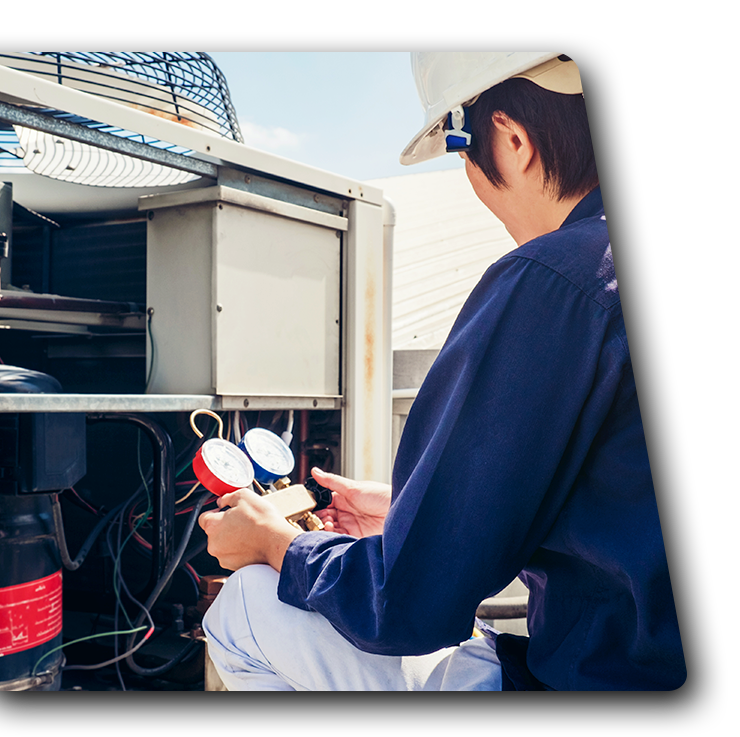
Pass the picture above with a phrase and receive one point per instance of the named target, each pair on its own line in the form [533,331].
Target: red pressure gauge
[220,465]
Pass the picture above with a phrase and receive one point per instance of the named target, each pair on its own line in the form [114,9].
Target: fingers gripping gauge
[220,465]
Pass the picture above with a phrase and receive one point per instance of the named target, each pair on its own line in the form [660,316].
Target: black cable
[163,581]
[67,561]
[117,517]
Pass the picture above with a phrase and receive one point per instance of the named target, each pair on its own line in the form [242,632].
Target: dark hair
[557,125]
[654,128]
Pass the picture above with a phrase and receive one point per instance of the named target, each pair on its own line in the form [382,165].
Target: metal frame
[20,88]
[102,139]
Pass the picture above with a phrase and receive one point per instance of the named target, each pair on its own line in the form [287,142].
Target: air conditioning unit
[267,281]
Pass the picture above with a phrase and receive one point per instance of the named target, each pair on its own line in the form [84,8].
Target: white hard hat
[448,81]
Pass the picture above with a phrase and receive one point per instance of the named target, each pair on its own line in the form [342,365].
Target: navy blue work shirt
[523,455]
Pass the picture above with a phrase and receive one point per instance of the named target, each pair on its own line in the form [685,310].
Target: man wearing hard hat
[533,395]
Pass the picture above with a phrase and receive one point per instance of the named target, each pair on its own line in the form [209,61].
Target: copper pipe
[303,467]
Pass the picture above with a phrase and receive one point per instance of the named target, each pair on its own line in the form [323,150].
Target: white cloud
[270,139]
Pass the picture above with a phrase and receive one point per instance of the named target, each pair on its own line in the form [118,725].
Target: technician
[523,454]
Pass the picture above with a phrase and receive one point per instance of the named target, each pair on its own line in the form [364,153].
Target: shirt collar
[590,206]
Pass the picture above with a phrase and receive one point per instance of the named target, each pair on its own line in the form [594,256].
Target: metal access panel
[244,294]
[277,290]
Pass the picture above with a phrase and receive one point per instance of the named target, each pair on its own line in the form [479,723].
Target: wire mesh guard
[185,87]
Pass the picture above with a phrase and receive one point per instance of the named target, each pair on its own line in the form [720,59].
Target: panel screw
[219,308]
[246,403]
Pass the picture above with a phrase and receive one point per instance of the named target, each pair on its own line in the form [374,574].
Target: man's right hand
[357,508]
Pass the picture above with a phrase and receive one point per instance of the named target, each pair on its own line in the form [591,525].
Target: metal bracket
[101,139]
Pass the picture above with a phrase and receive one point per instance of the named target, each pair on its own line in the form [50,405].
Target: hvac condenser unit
[268,281]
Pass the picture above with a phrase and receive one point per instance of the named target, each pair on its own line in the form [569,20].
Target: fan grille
[183,86]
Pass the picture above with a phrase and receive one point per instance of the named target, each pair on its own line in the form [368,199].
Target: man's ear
[514,143]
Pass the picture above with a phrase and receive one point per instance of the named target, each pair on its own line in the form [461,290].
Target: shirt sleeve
[489,452]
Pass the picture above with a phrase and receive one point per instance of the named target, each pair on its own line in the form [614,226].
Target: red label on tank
[30,613]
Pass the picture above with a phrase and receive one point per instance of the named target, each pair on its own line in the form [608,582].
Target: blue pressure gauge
[271,457]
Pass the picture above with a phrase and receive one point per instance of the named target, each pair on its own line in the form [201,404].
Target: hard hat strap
[458,134]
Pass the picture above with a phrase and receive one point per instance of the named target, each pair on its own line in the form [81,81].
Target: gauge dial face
[228,463]
[269,451]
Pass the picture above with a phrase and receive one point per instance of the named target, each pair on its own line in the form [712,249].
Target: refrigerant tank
[39,453]
[30,596]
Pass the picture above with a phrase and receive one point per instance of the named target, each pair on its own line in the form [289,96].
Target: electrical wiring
[80,502]
[192,489]
[121,588]
[114,513]
[126,523]
[116,554]
[148,546]
[117,577]
[155,594]
[150,314]
[124,587]
[67,561]
[135,519]
[120,585]
[117,658]
[123,524]
[118,521]
[134,523]
[34,671]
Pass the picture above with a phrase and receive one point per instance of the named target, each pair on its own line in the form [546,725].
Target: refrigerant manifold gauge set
[261,461]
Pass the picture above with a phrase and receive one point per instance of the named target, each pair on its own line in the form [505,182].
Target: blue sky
[351,113]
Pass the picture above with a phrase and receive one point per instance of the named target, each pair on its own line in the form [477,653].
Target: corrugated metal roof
[444,240]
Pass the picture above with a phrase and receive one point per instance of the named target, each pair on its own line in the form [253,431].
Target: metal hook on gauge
[211,414]
[219,464]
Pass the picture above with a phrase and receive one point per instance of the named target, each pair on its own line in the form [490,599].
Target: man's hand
[357,508]
[250,531]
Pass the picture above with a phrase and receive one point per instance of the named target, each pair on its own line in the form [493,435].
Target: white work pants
[258,643]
